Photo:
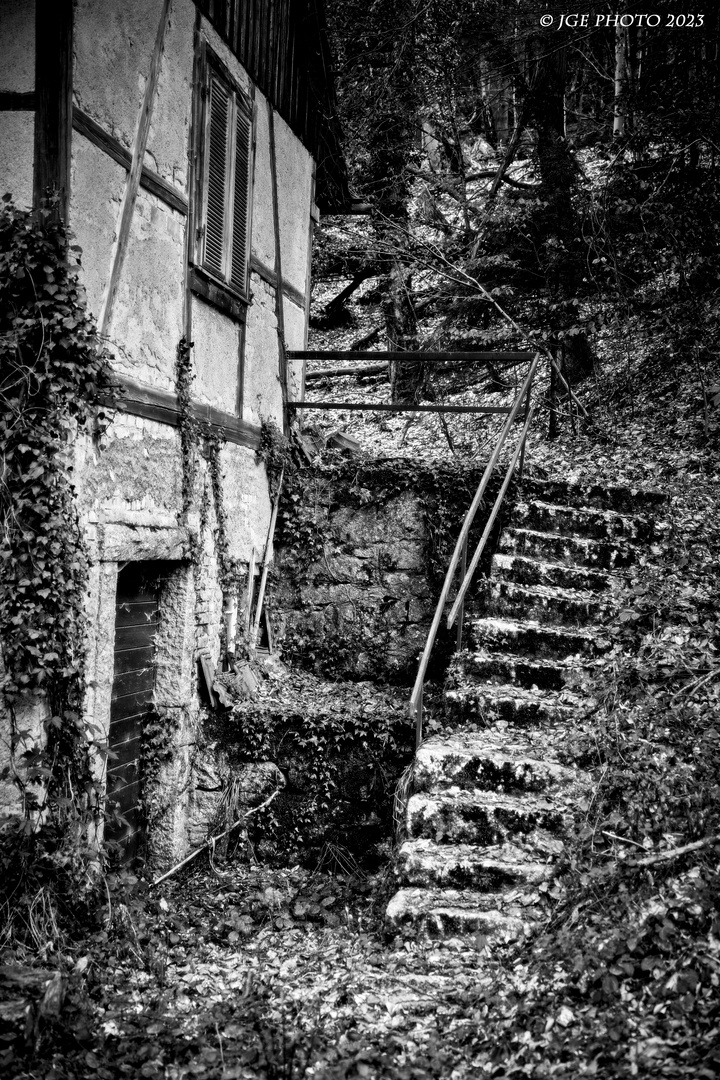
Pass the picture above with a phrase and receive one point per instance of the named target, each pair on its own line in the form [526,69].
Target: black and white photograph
[359,540]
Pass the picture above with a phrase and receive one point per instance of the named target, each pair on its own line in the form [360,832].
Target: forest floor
[247,971]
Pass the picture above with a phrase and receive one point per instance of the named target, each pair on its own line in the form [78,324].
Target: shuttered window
[225,192]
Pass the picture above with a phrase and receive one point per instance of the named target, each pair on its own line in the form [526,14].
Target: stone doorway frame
[176,697]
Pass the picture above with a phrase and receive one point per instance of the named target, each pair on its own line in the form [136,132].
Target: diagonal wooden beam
[135,174]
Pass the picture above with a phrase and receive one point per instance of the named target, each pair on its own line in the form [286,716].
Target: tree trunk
[556,223]
[406,380]
[620,81]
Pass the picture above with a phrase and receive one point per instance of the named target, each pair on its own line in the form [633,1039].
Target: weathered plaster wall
[96,189]
[168,139]
[262,392]
[263,230]
[217,356]
[17,131]
[247,500]
[151,286]
[17,75]
[294,169]
[17,38]
[113,50]
[295,338]
[231,62]
[135,466]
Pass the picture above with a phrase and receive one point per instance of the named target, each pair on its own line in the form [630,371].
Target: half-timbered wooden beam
[53,102]
[162,406]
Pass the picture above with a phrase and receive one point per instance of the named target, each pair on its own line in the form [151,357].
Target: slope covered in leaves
[247,971]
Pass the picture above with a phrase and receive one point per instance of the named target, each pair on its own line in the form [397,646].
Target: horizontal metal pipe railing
[367,356]
[396,406]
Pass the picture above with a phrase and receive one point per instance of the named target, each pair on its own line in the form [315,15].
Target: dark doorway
[136,625]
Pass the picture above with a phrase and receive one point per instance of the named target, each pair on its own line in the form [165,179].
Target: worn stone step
[547,603]
[533,637]
[604,496]
[571,521]
[490,702]
[508,668]
[442,913]
[505,760]
[456,816]
[528,571]
[569,550]
[424,864]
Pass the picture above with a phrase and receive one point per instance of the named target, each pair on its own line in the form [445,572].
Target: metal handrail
[416,698]
[490,521]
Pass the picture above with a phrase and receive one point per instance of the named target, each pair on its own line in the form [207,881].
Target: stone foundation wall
[358,599]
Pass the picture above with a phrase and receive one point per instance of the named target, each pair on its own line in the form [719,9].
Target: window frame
[218,288]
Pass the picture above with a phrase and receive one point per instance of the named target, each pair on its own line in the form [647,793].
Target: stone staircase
[491,797]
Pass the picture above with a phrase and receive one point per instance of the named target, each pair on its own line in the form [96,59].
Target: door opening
[136,626]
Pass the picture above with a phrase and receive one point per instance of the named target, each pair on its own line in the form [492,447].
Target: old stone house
[190,144]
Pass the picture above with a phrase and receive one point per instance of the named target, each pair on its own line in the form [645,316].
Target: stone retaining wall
[361,605]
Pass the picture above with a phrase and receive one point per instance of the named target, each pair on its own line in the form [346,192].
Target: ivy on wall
[306,537]
[54,376]
[198,439]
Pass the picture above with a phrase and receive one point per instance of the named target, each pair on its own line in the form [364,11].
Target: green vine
[195,439]
[275,451]
[159,731]
[229,567]
[189,428]
[54,375]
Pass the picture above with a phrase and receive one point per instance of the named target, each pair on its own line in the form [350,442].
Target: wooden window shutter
[241,196]
[217,169]
[223,240]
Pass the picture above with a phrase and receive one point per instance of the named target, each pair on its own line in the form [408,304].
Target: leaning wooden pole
[265,563]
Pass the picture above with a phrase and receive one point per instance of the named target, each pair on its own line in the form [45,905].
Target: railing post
[419,720]
[522,452]
[461,613]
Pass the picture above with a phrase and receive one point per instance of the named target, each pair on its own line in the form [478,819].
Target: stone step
[484,818]
[442,913]
[503,760]
[568,550]
[424,864]
[533,637]
[603,496]
[507,668]
[569,521]
[548,603]
[527,571]
[488,702]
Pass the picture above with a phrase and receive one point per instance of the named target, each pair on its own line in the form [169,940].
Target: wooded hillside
[567,175]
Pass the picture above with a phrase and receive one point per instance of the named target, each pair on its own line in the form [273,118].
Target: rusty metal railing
[460,552]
